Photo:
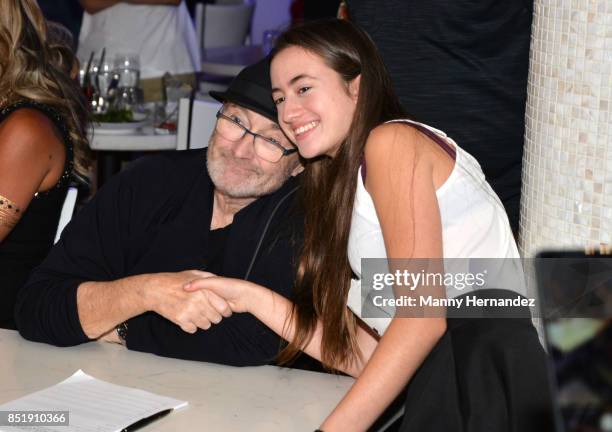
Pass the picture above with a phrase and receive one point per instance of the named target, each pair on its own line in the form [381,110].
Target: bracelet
[9,212]
[122,330]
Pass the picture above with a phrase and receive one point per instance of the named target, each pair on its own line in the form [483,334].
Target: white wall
[566,201]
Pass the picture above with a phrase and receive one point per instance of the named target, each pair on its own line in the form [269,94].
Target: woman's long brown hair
[328,190]
[32,67]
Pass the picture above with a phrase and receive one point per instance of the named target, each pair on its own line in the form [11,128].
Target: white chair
[196,123]
[67,211]
[222,25]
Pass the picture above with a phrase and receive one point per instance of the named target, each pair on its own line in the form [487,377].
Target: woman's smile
[315,106]
[300,131]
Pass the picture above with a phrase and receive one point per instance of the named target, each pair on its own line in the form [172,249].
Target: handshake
[195,299]
[191,299]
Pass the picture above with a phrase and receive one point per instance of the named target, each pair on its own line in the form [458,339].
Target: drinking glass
[128,68]
[101,74]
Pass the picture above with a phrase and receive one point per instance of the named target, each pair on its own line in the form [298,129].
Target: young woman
[378,186]
[42,142]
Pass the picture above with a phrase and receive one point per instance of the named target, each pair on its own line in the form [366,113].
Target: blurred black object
[584,381]
[574,287]
[575,290]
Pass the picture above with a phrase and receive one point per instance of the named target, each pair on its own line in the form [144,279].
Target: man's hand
[104,305]
[164,294]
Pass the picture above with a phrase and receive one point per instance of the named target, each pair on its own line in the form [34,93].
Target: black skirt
[484,375]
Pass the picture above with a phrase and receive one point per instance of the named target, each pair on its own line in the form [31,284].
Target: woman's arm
[31,159]
[95,6]
[400,181]
[273,310]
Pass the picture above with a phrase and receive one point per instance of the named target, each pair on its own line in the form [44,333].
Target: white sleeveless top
[163,36]
[474,225]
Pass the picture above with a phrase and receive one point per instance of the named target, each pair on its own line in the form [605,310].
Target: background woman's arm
[95,6]
[31,156]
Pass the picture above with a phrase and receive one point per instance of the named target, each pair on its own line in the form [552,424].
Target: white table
[142,140]
[111,145]
[229,61]
[221,398]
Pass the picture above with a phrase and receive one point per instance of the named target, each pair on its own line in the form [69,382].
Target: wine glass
[127,67]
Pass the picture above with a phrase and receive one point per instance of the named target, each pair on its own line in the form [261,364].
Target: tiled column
[567,166]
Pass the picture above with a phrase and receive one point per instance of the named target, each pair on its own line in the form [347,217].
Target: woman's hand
[188,309]
[236,292]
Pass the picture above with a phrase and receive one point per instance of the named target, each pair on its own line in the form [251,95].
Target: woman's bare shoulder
[27,130]
[388,133]
[391,141]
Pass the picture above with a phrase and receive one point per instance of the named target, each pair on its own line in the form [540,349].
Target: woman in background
[161,32]
[43,118]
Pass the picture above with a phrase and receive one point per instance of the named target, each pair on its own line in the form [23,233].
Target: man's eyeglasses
[267,148]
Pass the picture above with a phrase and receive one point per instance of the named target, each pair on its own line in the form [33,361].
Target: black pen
[145,421]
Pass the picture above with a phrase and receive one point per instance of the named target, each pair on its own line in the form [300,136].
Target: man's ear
[353,87]
[298,169]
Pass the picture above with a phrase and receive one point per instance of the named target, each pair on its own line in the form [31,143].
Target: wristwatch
[122,330]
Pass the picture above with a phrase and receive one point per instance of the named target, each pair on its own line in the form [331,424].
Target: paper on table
[93,405]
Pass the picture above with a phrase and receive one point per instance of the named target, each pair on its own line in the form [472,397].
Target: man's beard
[252,182]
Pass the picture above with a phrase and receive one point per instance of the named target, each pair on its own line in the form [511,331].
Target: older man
[119,270]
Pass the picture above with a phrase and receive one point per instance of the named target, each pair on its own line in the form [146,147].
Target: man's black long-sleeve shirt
[155,217]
